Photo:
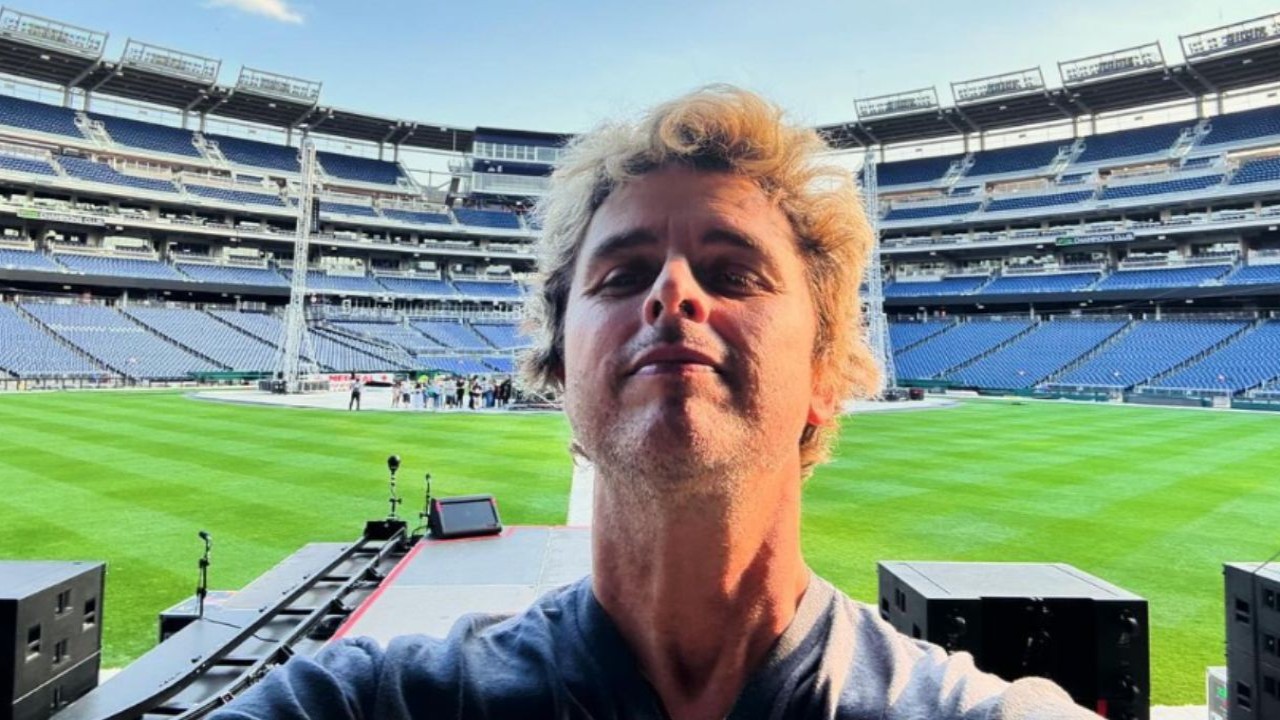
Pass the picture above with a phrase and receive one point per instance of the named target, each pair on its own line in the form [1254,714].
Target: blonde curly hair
[722,129]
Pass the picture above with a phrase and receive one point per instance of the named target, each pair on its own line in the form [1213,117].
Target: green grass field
[1153,500]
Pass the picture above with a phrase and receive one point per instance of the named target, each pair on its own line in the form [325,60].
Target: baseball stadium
[1075,298]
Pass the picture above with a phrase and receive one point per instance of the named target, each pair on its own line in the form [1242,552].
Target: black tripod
[202,586]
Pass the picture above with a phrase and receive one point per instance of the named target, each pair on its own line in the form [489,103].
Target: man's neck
[701,584]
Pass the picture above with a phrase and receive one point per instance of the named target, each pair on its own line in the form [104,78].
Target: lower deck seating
[452,334]
[1162,278]
[1031,358]
[27,351]
[1150,348]
[1046,283]
[119,266]
[956,346]
[942,286]
[1247,361]
[902,335]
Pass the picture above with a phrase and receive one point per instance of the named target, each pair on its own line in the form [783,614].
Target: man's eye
[621,279]
[737,280]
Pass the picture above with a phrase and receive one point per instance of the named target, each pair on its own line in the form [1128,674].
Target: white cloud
[274,9]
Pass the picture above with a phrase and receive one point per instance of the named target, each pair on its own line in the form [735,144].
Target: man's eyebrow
[733,238]
[621,242]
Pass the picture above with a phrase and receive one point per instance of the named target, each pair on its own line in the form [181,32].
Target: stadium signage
[1094,239]
[56,216]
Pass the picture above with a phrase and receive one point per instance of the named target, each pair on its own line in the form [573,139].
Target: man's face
[689,330]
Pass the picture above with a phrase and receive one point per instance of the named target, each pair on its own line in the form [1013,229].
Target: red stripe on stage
[386,583]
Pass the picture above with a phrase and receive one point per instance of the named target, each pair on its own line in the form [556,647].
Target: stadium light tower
[877,323]
[295,319]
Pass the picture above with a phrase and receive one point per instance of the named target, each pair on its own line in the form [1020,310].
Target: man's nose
[676,294]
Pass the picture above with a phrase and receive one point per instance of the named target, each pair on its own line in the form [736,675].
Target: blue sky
[564,65]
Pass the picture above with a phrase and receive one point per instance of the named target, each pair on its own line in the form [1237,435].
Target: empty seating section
[955,347]
[452,334]
[369,354]
[417,218]
[1038,201]
[267,328]
[931,211]
[417,286]
[1159,188]
[504,336]
[29,352]
[908,172]
[1045,283]
[945,286]
[243,197]
[497,219]
[488,289]
[1247,361]
[19,163]
[232,275]
[391,332]
[1264,170]
[41,117]
[326,352]
[118,266]
[1162,278]
[149,136]
[1150,348]
[1199,162]
[257,154]
[1130,143]
[347,209]
[501,363]
[367,170]
[104,173]
[903,335]
[214,339]
[1035,356]
[14,258]
[1247,275]
[1073,178]
[117,342]
[454,365]
[341,283]
[1247,125]
[1015,159]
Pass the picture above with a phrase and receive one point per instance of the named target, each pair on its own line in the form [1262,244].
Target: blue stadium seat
[243,197]
[907,172]
[417,218]
[1264,170]
[497,219]
[119,266]
[504,336]
[18,259]
[902,335]
[1042,283]
[326,282]
[394,333]
[956,346]
[930,211]
[928,288]
[1131,143]
[334,208]
[416,286]
[1160,188]
[203,333]
[255,153]
[1162,277]
[29,352]
[1247,361]
[489,289]
[1150,348]
[104,173]
[454,365]
[1248,125]
[149,136]
[1036,355]
[231,275]
[41,117]
[325,351]
[1245,275]
[25,164]
[1014,159]
[1038,201]
[350,167]
[117,342]
[454,335]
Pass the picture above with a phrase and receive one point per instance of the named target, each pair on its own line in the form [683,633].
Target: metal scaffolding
[873,300]
[294,360]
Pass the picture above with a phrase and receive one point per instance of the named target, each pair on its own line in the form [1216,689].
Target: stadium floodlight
[881,106]
[997,86]
[1230,38]
[1113,64]
[165,61]
[43,32]
[281,87]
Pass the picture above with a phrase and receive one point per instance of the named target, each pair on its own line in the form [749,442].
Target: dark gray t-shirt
[564,658]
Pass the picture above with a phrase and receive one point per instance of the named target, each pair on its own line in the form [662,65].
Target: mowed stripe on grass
[1153,500]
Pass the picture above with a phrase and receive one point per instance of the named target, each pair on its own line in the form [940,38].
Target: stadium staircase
[209,148]
[94,130]
[75,349]
[147,328]
[1151,381]
[991,351]
[1097,350]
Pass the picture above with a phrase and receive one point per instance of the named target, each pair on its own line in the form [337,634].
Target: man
[356,386]
[698,311]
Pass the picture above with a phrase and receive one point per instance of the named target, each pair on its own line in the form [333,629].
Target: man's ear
[823,405]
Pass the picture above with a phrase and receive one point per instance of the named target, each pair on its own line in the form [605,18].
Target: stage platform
[442,580]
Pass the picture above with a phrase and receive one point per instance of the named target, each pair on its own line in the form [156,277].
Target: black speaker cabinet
[1024,619]
[1253,640]
[463,516]
[51,633]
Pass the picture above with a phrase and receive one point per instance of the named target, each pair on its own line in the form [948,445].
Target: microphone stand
[202,586]
[394,499]
[424,516]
